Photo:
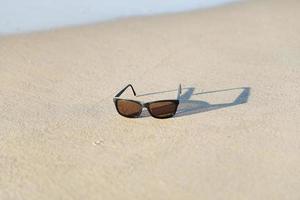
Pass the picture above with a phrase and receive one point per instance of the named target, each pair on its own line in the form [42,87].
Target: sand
[236,135]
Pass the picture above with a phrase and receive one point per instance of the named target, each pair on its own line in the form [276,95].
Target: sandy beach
[236,134]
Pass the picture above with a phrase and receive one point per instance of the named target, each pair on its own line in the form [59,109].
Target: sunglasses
[160,109]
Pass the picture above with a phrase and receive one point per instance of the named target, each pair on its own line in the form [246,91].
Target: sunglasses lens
[163,109]
[129,108]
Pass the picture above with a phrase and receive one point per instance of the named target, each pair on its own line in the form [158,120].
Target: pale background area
[30,15]
[61,138]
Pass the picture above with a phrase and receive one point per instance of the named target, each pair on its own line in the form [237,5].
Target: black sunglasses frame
[147,104]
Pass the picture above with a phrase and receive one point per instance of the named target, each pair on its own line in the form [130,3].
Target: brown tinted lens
[129,108]
[163,109]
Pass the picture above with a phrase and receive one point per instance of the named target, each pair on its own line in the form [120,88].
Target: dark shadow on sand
[190,107]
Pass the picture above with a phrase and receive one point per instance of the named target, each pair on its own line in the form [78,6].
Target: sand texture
[236,134]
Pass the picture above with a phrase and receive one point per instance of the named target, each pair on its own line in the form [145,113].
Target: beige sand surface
[237,134]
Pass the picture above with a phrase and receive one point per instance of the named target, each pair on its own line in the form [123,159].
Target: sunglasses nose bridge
[146,109]
[145,105]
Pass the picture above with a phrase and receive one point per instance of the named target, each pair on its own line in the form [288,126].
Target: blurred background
[31,15]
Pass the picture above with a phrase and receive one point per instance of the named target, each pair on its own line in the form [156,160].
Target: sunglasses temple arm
[179,92]
[129,85]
